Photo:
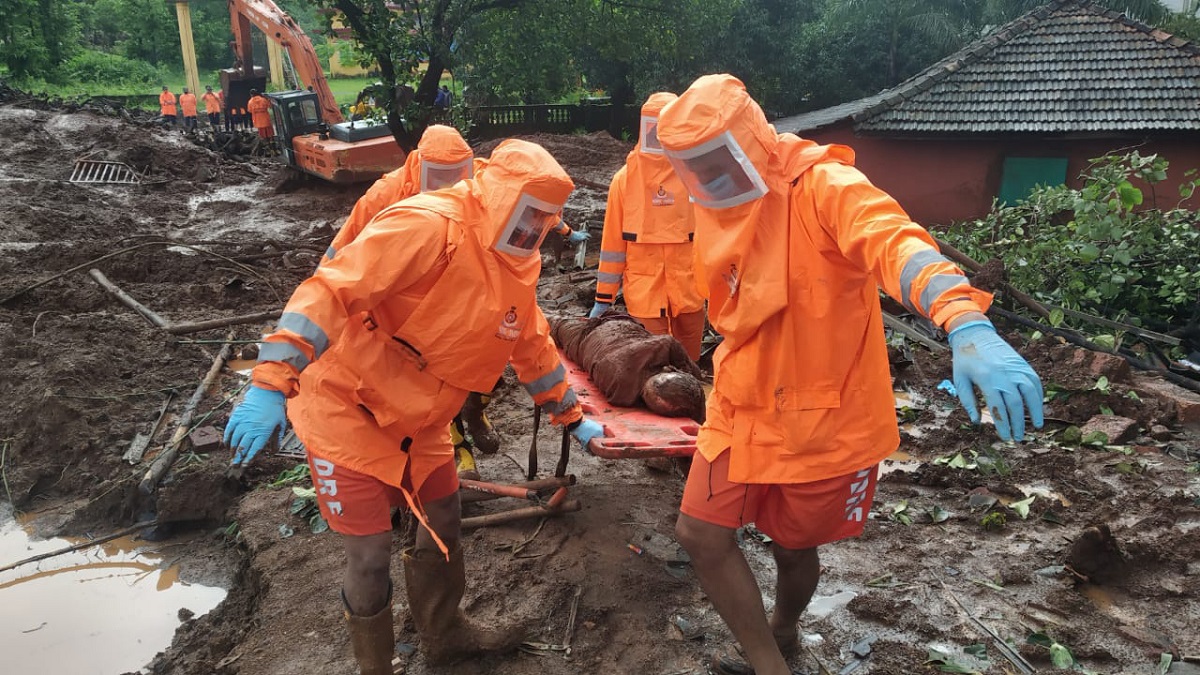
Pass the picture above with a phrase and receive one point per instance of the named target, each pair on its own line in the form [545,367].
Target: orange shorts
[356,504]
[796,516]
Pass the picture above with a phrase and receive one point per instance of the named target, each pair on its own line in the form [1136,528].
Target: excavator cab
[295,113]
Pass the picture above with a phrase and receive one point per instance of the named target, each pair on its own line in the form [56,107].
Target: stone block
[205,439]
[1117,429]
[1187,403]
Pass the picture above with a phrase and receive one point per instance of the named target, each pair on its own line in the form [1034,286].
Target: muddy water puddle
[104,609]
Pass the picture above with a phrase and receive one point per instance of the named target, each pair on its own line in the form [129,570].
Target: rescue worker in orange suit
[792,244]
[260,111]
[647,242]
[212,107]
[166,105]
[187,104]
[442,158]
[372,368]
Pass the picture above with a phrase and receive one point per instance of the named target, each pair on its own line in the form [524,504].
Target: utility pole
[183,12]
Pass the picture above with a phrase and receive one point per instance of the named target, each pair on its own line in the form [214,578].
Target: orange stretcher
[630,433]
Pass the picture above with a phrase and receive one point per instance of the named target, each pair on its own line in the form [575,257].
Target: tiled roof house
[1030,103]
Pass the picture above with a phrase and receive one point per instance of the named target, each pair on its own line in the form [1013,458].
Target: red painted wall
[941,181]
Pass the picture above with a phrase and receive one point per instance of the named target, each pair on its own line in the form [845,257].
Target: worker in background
[647,242]
[260,110]
[361,109]
[792,244]
[370,368]
[212,107]
[442,158]
[166,105]
[187,104]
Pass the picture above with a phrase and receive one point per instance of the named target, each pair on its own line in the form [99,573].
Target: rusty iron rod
[498,489]
[540,485]
[514,515]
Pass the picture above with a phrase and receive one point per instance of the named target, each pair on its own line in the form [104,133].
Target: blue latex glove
[260,416]
[586,431]
[1010,387]
[578,236]
[598,309]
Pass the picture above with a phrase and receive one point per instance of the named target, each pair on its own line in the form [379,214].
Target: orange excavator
[315,138]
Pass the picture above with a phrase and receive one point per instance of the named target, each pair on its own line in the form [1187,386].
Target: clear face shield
[649,136]
[436,176]
[527,226]
[718,174]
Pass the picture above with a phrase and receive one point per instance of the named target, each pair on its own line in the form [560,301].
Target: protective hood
[523,190]
[741,232]
[445,158]
[652,190]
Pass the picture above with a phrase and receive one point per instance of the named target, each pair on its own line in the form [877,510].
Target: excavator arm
[278,26]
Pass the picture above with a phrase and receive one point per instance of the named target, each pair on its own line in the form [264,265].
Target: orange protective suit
[166,103]
[648,229]
[802,389]
[259,108]
[187,103]
[212,103]
[440,146]
[374,363]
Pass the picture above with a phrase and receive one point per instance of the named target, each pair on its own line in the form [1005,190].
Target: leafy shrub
[101,67]
[1094,248]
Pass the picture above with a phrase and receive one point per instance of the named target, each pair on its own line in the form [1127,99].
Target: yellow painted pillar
[190,72]
[275,59]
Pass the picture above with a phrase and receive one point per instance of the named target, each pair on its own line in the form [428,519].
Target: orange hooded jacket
[802,389]
[647,240]
[166,103]
[370,330]
[439,143]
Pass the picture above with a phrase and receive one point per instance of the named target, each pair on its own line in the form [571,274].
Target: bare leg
[799,571]
[368,560]
[729,583]
[445,517]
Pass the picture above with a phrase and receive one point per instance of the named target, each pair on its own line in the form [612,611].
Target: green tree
[521,56]
[36,36]
[905,24]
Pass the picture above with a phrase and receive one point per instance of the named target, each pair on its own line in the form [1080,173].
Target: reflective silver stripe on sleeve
[608,278]
[612,256]
[912,269]
[330,252]
[559,407]
[312,333]
[282,351]
[546,382]
[940,283]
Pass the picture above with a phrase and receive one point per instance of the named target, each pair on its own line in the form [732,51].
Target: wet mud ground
[950,560]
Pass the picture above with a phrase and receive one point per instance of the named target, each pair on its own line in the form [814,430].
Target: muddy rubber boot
[478,425]
[435,587]
[465,463]
[374,640]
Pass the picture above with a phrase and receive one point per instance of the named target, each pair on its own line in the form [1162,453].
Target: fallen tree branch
[1109,323]
[968,262]
[177,328]
[76,268]
[1174,378]
[127,300]
[197,326]
[1003,647]
[164,461]
[77,547]
[913,334]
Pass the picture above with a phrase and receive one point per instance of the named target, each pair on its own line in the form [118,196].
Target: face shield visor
[436,176]
[527,226]
[649,136]
[718,174]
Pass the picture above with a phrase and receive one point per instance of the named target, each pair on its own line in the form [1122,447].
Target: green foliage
[35,36]
[93,66]
[994,521]
[304,505]
[1094,247]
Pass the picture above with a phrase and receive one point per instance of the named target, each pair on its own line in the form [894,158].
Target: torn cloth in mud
[631,366]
